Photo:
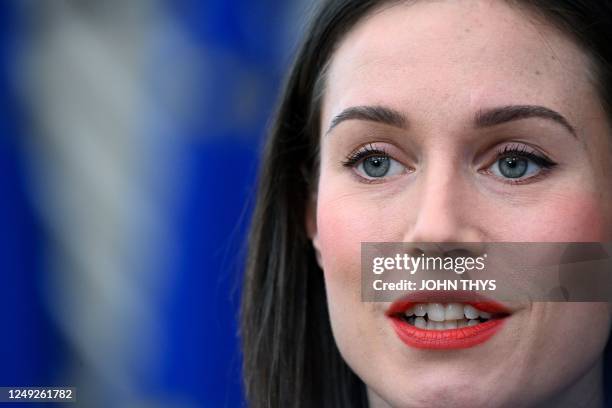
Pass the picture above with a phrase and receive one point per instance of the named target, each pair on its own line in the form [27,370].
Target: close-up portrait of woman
[451,121]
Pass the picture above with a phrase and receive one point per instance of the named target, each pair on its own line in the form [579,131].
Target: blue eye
[379,166]
[373,163]
[518,164]
[514,167]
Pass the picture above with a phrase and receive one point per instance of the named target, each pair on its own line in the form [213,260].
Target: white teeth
[420,309]
[470,312]
[453,311]
[484,315]
[435,312]
[444,316]
[452,324]
[409,312]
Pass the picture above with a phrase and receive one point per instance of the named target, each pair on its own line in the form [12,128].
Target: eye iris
[513,167]
[376,166]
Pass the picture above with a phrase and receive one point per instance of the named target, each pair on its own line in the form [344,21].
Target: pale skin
[437,65]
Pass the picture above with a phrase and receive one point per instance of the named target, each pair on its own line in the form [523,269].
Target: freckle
[467,30]
[538,72]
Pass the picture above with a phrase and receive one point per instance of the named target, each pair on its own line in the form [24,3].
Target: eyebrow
[483,118]
[374,113]
[497,116]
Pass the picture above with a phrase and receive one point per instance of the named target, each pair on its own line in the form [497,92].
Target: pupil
[513,167]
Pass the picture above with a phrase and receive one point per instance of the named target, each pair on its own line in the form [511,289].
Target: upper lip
[475,299]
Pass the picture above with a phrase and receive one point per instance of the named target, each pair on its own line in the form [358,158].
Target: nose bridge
[444,206]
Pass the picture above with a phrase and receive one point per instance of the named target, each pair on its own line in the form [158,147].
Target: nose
[444,208]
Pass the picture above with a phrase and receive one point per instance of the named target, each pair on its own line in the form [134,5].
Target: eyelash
[522,151]
[363,153]
[509,150]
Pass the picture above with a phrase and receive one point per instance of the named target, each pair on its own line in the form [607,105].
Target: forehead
[447,59]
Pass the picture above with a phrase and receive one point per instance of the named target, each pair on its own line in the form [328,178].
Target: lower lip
[464,337]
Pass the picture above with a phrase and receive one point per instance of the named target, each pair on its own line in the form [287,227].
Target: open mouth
[448,325]
[439,316]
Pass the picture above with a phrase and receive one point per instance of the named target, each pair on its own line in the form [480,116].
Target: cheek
[340,232]
[345,220]
[573,218]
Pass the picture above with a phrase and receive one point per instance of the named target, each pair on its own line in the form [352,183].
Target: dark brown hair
[290,357]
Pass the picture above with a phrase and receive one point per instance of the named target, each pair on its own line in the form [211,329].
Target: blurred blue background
[128,155]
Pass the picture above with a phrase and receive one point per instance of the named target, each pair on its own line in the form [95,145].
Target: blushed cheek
[340,231]
[575,218]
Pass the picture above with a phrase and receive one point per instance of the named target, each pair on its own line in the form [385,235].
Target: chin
[451,385]
[447,393]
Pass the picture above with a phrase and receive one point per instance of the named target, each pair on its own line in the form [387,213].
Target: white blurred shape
[105,162]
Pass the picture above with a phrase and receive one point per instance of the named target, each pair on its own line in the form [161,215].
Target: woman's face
[421,82]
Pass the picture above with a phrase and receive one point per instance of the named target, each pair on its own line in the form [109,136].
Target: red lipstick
[448,339]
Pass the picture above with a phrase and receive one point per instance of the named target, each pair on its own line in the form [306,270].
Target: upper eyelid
[368,153]
[520,147]
[365,151]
